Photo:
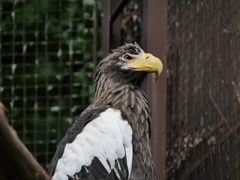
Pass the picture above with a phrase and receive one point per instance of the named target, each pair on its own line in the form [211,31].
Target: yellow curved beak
[145,62]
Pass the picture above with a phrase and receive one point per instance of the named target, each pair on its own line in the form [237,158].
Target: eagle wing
[98,146]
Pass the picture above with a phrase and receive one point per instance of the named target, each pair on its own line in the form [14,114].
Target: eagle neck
[128,98]
[134,105]
[109,91]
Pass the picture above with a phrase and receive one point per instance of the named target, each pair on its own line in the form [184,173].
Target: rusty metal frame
[154,40]
[111,21]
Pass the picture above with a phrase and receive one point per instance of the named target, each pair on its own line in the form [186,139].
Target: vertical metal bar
[36,78]
[13,63]
[111,22]
[106,27]
[154,41]
[47,79]
[60,85]
[95,28]
[70,55]
[115,26]
[24,77]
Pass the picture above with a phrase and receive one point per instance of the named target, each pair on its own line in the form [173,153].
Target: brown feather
[112,87]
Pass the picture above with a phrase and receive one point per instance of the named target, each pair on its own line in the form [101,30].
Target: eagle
[110,140]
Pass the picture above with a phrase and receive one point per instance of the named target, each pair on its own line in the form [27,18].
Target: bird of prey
[110,138]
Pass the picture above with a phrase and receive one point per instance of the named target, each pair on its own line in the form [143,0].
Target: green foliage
[47,68]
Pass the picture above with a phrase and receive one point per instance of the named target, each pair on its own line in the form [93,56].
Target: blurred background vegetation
[46,67]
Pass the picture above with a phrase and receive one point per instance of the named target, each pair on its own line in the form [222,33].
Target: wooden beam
[16,162]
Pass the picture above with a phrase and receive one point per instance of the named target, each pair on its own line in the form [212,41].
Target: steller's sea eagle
[110,138]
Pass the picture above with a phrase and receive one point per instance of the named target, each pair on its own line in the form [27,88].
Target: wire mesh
[46,67]
[203,126]
[131,22]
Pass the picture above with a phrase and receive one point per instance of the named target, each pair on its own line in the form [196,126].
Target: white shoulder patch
[107,137]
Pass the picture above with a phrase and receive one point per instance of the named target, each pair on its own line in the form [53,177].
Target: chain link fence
[203,139]
[48,50]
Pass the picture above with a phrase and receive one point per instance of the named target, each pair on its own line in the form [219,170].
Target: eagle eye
[126,56]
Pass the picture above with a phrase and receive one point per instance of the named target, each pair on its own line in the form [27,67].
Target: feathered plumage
[110,139]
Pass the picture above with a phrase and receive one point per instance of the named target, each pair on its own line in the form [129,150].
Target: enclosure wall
[203,107]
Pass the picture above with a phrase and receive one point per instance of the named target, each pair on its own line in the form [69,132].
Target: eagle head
[128,64]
